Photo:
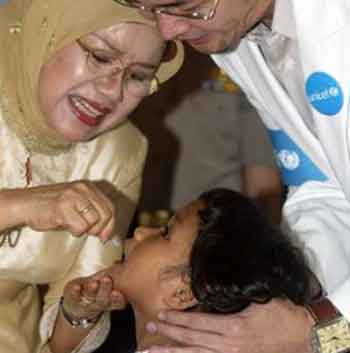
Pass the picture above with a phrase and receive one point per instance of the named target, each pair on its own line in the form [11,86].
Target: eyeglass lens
[196,9]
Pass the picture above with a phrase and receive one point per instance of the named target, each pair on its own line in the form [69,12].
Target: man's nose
[172,27]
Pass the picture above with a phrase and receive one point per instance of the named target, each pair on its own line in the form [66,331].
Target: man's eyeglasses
[193,9]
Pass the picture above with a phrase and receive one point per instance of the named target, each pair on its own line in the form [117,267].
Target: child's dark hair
[239,258]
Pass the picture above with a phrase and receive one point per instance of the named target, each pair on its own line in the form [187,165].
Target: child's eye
[165,232]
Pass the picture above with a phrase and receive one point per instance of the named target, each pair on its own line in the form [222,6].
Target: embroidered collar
[283,19]
[282,25]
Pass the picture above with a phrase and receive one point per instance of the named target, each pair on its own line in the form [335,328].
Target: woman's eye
[165,232]
[94,54]
[139,77]
[99,58]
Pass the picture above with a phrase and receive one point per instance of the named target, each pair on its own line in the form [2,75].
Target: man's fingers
[186,335]
[195,321]
[176,349]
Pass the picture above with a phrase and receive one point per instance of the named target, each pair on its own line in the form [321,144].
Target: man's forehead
[166,2]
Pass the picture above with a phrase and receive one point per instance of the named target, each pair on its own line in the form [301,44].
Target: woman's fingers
[79,207]
[100,213]
[90,214]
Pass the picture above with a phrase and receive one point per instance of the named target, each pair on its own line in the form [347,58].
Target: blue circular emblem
[324,93]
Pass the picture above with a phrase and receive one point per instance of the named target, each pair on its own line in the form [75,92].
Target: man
[292,61]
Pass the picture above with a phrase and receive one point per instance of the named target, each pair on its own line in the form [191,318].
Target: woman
[70,71]
[218,254]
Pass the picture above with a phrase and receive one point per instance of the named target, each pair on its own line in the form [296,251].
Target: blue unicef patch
[296,167]
[324,93]
[3,2]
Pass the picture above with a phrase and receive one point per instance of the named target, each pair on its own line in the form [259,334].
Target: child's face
[155,257]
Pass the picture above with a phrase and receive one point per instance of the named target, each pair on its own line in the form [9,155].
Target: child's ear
[180,296]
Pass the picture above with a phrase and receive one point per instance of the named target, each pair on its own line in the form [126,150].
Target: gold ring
[86,209]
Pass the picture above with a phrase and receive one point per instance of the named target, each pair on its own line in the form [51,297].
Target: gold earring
[154,86]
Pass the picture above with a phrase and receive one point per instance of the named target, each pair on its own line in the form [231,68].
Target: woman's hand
[88,297]
[79,207]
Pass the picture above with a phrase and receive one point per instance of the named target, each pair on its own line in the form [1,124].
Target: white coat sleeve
[318,216]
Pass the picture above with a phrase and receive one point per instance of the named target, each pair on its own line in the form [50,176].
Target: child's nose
[142,233]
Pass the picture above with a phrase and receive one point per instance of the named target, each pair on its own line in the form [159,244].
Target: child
[217,254]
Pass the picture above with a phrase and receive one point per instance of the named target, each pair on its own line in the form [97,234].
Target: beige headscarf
[30,32]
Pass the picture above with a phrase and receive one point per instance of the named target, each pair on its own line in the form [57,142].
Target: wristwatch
[77,323]
[331,333]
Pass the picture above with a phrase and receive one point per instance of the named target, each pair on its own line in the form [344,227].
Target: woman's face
[154,257]
[91,85]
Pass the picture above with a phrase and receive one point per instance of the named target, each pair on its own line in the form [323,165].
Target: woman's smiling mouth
[88,112]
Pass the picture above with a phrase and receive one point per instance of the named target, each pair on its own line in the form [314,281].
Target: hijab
[31,31]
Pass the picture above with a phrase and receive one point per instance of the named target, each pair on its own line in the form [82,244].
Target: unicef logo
[288,159]
[295,165]
[324,93]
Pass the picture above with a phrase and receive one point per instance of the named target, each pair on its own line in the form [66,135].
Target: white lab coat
[314,162]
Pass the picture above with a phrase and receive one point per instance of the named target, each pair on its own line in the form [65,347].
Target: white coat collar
[313,18]
[283,22]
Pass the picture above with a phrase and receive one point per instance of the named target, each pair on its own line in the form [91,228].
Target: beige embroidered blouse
[55,257]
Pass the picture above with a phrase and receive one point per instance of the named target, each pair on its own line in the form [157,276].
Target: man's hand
[276,327]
